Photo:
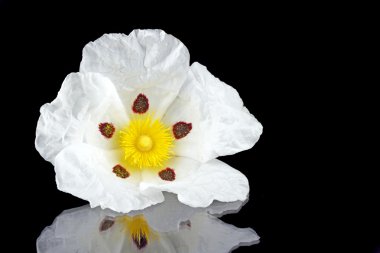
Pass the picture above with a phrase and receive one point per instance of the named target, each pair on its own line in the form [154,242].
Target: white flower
[138,120]
[94,230]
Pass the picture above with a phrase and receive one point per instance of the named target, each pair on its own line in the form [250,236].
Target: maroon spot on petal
[120,171]
[167,174]
[106,223]
[106,129]
[141,104]
[181,129]
[185,224]
[140,242]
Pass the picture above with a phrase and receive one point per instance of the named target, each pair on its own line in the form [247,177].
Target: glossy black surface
[279,60]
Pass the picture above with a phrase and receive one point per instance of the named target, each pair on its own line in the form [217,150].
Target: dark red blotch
[120,171]
[141,104]
[140,243]
[167,174]
[106,129]
[106,224]
[181,129]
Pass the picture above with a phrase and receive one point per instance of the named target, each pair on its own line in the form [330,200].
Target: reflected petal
[168,227]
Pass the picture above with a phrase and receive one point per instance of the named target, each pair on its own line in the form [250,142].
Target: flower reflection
[168,227]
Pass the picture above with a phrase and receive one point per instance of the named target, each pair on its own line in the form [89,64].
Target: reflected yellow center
[138,229]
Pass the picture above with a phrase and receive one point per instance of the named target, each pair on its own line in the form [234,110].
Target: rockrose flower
[137,120]
[94,230]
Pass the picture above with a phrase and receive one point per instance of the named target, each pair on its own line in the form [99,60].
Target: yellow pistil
[144,143]
[147,143]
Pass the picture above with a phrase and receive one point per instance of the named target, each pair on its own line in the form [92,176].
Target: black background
[286,66]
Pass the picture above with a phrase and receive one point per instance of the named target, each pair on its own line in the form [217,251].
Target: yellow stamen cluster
[146,142]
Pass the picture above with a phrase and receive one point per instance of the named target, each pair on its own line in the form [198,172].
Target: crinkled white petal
[85,171]
[77,230]
[221,125]
[84,101]
[145,61]
[199,184]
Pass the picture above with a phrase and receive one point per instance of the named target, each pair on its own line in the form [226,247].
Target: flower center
[144,143]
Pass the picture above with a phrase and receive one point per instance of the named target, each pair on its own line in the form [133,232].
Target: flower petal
[86,172]
[221,125]
[197,184]
[84,101]
[146,61]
